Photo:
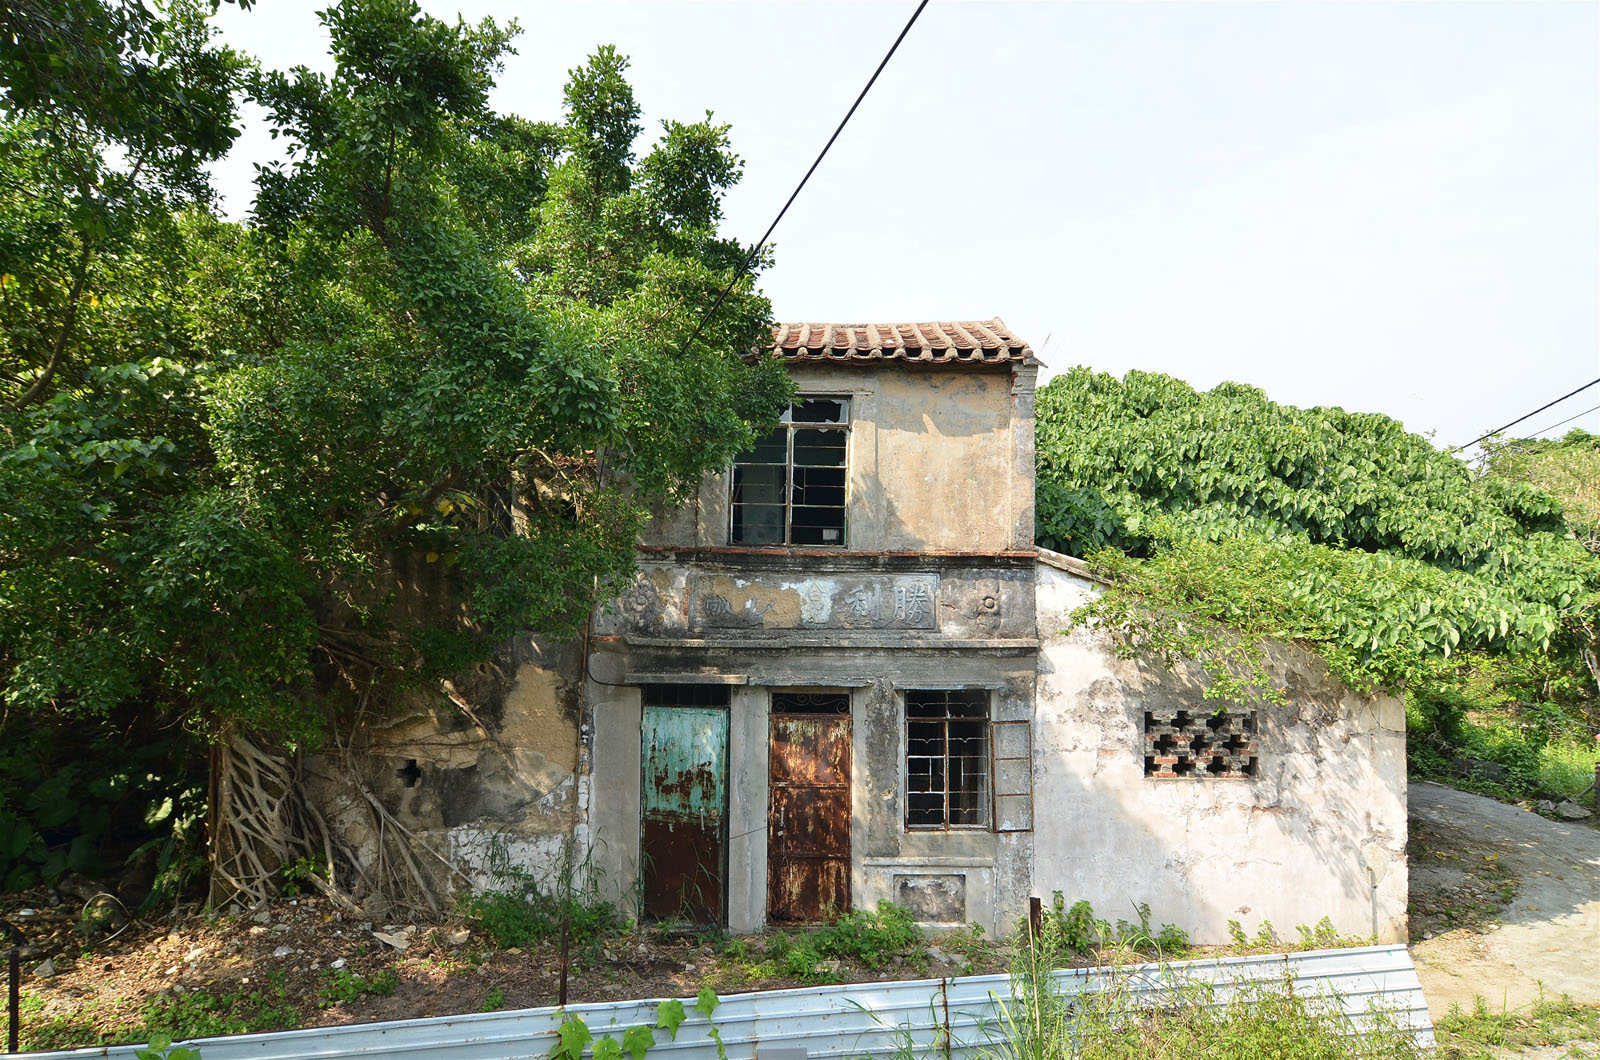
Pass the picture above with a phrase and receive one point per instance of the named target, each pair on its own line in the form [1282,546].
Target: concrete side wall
[941,459]
[1319,831]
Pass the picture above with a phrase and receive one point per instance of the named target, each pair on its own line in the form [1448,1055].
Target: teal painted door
[682,836]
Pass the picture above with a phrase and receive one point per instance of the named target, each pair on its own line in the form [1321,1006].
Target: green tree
[108,115]
[1225,510]
[423,400]
[430,352]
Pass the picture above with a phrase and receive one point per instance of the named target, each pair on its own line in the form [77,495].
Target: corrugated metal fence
[936,1018]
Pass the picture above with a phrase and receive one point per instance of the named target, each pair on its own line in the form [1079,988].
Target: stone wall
[1317,829]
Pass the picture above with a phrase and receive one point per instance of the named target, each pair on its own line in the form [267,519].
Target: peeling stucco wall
[781,633]
[484,772]
[1320,831]
[939,460]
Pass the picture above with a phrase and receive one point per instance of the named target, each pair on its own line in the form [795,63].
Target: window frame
[983,797]
[790,428]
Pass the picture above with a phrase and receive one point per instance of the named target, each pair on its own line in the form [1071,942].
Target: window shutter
[1011,766]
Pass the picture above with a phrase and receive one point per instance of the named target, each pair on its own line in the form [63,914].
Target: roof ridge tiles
[957,342]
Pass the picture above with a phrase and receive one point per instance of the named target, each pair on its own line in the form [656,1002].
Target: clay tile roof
[945,342]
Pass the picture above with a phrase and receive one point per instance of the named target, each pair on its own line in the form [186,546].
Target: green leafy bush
[1224,520]
[92,795]
[530,916]
[520,909]
[874,938]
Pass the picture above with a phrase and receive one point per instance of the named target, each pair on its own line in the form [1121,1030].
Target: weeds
[494,1000]
[1482,1034]
[1076,931]
[521,911]
[295,878]
[1319,936]
[1567,767]
[202,1014]
[875,939]
[79,1028]
[344,985]
[1171,1018]
[1255,1020]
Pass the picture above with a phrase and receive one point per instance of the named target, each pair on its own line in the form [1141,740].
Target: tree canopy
[1335,528]
[423,399]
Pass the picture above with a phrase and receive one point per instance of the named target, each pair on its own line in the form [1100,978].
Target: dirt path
[1464,848]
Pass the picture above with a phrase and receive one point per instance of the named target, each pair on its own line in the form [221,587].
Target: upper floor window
[790,489]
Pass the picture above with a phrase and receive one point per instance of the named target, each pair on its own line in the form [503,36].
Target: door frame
[721,868]
[773,859]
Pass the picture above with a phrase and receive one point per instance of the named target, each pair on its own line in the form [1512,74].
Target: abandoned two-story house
[842,676]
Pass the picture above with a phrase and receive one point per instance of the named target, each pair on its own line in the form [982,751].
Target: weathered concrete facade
[764,729]
[1318,830]
[934,591]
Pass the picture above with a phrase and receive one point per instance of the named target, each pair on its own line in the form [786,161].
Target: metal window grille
[683,695]
[790,489]
[810,703]
[947,759]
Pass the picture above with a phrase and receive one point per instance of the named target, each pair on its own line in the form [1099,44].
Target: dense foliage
[422,400]
[1224,519]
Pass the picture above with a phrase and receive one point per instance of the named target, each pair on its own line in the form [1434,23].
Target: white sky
[1391,207]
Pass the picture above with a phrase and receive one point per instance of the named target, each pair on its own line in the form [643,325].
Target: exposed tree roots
[267,821]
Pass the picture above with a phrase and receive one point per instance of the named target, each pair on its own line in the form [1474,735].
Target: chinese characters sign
[845,601]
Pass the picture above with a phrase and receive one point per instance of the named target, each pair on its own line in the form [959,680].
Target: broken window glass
[789,489]
[947,759]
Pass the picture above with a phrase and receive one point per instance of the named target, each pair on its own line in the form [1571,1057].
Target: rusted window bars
[947,758]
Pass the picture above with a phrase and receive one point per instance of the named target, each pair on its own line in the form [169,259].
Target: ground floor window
[947,758]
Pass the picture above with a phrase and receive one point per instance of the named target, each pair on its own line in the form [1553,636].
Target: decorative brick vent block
[1189,743]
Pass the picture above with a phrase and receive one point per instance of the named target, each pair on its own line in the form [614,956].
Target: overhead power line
[1535,412]
[1566,421]
[755,250]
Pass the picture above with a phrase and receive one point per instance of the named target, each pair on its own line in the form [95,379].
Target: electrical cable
[1535,412]
[754,251]
[1566,421]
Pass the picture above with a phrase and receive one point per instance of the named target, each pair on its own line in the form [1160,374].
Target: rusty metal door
[808,811]
[685,808]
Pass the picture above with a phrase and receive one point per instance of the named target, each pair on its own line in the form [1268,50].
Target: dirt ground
[1505,904]
[304,959]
